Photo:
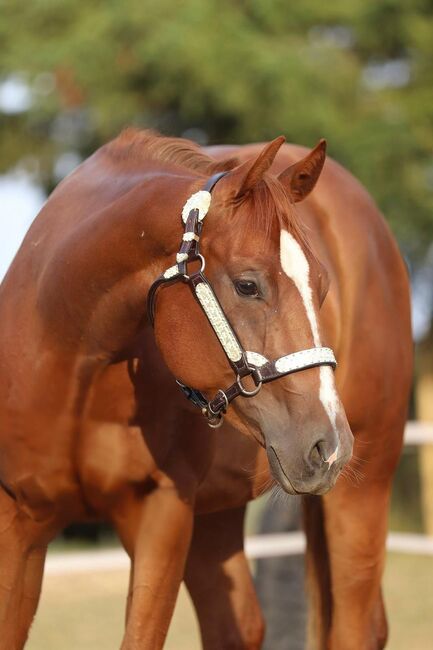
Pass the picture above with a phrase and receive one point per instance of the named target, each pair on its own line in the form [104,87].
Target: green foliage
[240,72]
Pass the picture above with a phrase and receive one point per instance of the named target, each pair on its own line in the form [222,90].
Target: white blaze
[295,266]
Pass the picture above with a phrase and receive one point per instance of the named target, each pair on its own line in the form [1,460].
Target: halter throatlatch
[243,363]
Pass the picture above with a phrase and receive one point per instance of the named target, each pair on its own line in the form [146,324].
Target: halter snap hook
[215,422]
[216,418]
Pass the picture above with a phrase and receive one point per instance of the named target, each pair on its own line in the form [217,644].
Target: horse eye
[246,288]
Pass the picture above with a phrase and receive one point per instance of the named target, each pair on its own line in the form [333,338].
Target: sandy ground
[85,611]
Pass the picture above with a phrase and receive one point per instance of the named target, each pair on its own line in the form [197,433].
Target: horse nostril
[324,452]
[316,454]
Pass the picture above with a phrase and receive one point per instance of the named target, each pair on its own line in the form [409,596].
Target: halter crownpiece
[244,363]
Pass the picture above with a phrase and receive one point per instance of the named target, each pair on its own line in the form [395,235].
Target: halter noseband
[243,363]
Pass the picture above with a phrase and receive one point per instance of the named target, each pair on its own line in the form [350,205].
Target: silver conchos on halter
[199,201]
[244,363]
[296,360]
[218,321]
[171,272]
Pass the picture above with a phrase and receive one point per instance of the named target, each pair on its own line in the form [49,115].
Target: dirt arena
[84,611]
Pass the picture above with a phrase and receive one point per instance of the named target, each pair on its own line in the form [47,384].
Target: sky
[20,197]
[20,201]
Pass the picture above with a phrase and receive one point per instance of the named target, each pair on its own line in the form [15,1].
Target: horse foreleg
[219,582]
[318,575]
[130,590]
[356,529]
[21,570]
[156,532]
[32,586]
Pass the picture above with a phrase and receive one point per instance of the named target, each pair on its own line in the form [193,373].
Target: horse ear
[247,175]
[301,177]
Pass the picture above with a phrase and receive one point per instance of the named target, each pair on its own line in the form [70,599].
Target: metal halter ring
[200,257]
[244,391]
[216,418]
[202,262]
[223,409]
[215,422]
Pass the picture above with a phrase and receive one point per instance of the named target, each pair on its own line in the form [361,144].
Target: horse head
[270,286]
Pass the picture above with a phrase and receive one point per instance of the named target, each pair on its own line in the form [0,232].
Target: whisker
[255,473]
[357,460]
[353,476]
[345,475]
[359,441]
[270,483]
[279,496]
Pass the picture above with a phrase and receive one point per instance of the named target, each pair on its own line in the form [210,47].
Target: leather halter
[243,363]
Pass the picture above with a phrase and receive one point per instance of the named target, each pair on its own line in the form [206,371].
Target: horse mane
[271,202]
[139,145]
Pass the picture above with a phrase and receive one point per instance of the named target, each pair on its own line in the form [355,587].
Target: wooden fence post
[424,398]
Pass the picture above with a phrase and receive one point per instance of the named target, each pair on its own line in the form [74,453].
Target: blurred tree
[359,72]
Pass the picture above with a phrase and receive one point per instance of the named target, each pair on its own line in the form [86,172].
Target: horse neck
[93,292]
[76,293]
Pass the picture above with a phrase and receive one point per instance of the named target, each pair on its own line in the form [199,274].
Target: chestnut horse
[73,305]
[346,529]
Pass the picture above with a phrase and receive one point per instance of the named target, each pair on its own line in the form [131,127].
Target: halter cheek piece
[243,363]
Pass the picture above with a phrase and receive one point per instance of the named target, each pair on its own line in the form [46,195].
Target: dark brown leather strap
[266,373]
[213,180]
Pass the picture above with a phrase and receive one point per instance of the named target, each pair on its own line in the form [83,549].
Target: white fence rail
[257,546]
[418,433]
[278,544]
